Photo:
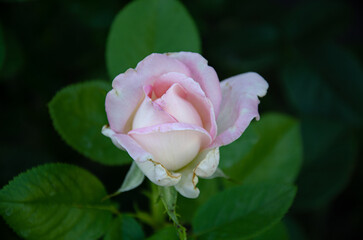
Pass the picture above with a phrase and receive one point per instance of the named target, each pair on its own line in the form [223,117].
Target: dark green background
[310,52]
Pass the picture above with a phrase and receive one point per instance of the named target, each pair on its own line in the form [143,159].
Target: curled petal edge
[239,106]
[204,166]
[158,174]
[202,73]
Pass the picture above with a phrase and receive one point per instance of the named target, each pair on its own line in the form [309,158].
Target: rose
[171,115]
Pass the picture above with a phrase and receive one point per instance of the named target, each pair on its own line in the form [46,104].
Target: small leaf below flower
[168,196]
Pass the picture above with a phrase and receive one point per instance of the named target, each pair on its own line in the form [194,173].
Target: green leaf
[149,26]
[269,150]
[133,179]
[169,196]
[233,153]
[208,188]
[167,233]
[125,228]
[277,232]
[330,155]
[56,201]
[78,114]
[243,212]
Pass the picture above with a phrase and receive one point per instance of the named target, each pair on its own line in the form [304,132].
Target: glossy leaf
[187,207]
[78,114]
[269,150]
[167,233]
[125,228]
[243,212]
[277,232]
[149,26]
[56,201]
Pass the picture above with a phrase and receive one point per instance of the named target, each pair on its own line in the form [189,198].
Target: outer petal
[108,132]
[127,92]
[158,174]
[205,75]
[195,96]
[187,186]
[145,161]
[204,166]
[174,145]
[157,64]
[239,106]
[209,164]
[121,103]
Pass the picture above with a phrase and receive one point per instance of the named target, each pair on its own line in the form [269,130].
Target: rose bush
[171,114]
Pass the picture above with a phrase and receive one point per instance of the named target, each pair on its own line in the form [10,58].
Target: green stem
[169,198]
[157,208]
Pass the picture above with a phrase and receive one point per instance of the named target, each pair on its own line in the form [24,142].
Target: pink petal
[209,163]
[144,160]
[127,92]
[195,96]
[239,106]
[174,102]
[173,145]
[150,113]
[205,75]
[156,64]
[121,102]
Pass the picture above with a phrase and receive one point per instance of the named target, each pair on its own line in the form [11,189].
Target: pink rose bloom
[171,114]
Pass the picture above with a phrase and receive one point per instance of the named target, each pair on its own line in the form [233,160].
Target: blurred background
[310,52]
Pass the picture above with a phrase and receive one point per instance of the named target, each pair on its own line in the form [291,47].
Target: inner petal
[174,102]
[150,113]
[195,96]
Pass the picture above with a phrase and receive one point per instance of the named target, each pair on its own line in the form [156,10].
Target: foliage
[78,114]
[309,134]
[145,27]
[56,201]
[243,212]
